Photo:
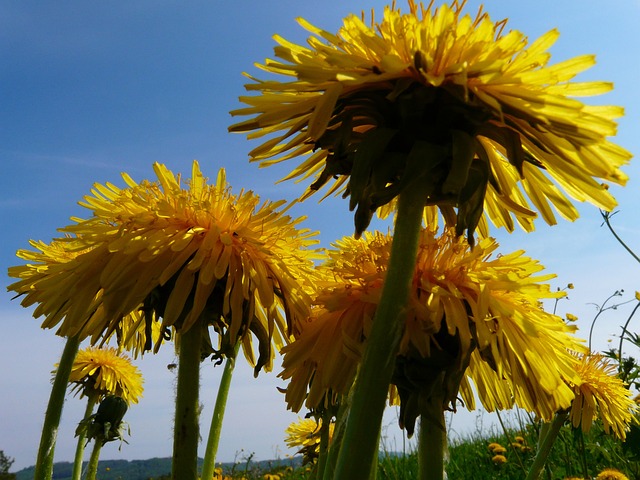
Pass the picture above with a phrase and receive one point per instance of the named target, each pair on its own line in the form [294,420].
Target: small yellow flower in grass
[573,478]
[499,450]
[611,474]
[520,439]
[499,459]
[493,445]
[469,108]
[305,434]
[466,306]
[186,254]
[601,394]
[102,372]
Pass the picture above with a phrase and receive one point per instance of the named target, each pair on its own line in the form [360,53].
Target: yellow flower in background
[499,459]
[102,372]
[600,393]
[35,280]
[493,445]
[479,116]
[467,308]
[611,474]
[183,254]
[305,434]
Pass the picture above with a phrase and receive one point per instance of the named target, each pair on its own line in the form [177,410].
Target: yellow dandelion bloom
[571,317]
[573,478]
[611,474]
[499,459]
[493,445]
[466,304]
[47,260]
[183,254]
[599,393]
[102,372]
[472,110]
[520,439]
[305,434]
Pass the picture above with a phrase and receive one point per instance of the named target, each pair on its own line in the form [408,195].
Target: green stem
[218,414]
[361,438]
[186,429]
[624,332]
[92,467]
[44,461]
[432,441]
[92,399]
[607,219]
[324,443]
[544,446]
[338,435]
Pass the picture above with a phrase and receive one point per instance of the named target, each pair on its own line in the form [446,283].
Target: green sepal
[471,200]
[463,152]
[366,159]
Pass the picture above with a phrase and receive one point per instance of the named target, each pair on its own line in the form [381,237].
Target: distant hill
[148,469]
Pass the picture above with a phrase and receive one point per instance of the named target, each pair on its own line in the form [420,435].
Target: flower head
[611,474]
[499,459]
[599,393]
[46,261]
[466,308]
[102,371]
[305,435]
[190,255]
[477,115]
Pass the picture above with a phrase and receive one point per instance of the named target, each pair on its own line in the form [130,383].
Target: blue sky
[89,90]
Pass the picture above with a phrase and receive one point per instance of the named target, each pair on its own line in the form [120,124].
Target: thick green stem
[361,439]
[92,399]
[92,467]
[186,429]
[544,446]
[218,415]
[44,462]
[432,441]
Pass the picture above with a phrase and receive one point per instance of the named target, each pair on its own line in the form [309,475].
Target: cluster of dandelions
[425,110]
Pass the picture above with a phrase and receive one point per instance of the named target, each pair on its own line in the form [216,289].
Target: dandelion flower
[493,445]
[305,434]
[183,253]
[102,372]
[499,459]
[464,302]
[611,474]
[478,116]
[35,280]
[599,393]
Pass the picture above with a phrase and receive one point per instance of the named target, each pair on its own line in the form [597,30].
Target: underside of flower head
[475,114]
[198,255]
[466,307]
